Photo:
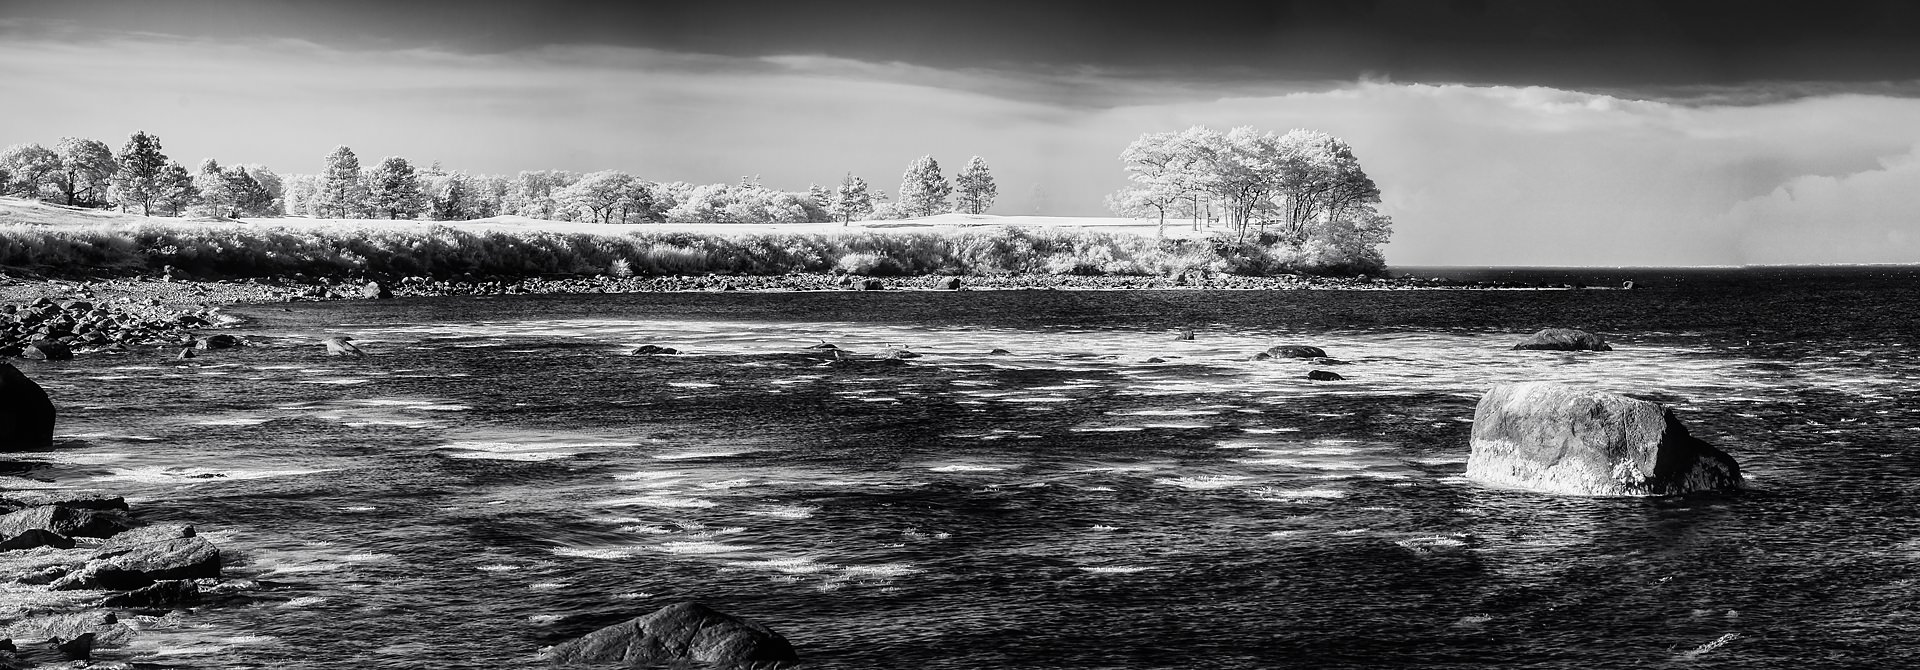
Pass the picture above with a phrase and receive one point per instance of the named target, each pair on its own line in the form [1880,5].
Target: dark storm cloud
[1613,44]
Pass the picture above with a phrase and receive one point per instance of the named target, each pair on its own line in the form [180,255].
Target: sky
[1500,132]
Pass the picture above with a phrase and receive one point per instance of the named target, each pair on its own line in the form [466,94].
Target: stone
[143,564]
[901,354]
[374,290]
[999,352]
[1563,339]
[47,350]
[128,539]
[870,284]
[1186,335]
[684,633]
[78,499]
[34,538]
[651,350]
[185,353]
[26,414]
[1556,438]
[1324,376]
[218,341]
[68,521]
[163,594]
[342,346]
[1291,351]
[77,648]
[950,284]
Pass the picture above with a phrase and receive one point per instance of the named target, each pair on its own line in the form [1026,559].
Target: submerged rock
[167,594]
[1556,438]
[650,350]
[26,414]
[1186,334]
[1291,351]
[1564,339]
[1324,376]
[217,341]
[999,352]
[686,633]
[342,346]
[47,350]
[78,499]
[34,538]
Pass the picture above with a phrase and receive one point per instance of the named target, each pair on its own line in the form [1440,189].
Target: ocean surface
[498,475]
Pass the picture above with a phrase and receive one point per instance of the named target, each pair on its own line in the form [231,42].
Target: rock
[26,414]
[143,535]
[77,648]
[47,350]
[34,538]
[68,521]
[218,341]
[79,499]
[686,633]
[650,350]
[376,291]
[999,352]
[1556,438]
[1186,334]
[342,346]
[1324,376]
[1291,351]
[44,576]
[902,354]
[1564,339]
[143,564]
[822,345]
[870,284]
[950,284]
[185,353]
[167,594]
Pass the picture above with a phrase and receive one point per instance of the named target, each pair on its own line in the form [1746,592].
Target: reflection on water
[1104,496]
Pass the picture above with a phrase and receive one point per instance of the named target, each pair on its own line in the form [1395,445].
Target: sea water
[498,475]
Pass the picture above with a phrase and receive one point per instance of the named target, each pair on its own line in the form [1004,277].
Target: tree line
[1302,188]
[141,178]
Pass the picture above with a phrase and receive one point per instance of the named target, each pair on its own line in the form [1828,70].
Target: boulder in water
[167,594]
[1324,376]
[47,350]
[999,352]
[1291,351]
[342,346]
[651,350]
[950,284]
[1556,438]
[376,291]
[26,414]
[68,521]
[218,341]
[1564,339]
[1186,334]
[142,564]
[870,284]
[34,538]
[681,634]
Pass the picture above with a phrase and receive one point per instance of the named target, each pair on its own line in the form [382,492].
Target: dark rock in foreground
[26,414]
[1556,438]
[140,565]
[1324,376]
[1291,351]
[685,633]
[47,350]
[78,499]
[650,350]
[949,284]
[1564,339]
[68,521]
[164,594]
[218,341]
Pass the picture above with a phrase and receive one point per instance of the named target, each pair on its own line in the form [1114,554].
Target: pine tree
[174,188]
[820,196]
[973,188]
[250,197]
[341,193]
[142,168]
[923,192]
[216,199]
[851,200]
[394,188]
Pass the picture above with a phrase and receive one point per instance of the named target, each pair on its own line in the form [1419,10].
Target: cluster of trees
[1304,187]
[139,177]
[86,173]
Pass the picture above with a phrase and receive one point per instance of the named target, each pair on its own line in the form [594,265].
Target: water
[498,476]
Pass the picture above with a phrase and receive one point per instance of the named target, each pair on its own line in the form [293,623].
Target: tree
[174,188]
[86,169]
[852,200]
[142,168]
[820,196]
[274,187]
[608,196]
[394,188]
[923,192]
[33,168]
[1165,168]
[216,198]
[249,196]
[341,192]
[973,188]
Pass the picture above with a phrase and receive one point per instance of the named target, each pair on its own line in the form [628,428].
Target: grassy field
[62,241]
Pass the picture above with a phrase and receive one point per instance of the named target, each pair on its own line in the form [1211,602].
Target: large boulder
[686,633]
[47,350]
[68,521]
[140,565]
[1556,438]
[26,414]
[1564,339]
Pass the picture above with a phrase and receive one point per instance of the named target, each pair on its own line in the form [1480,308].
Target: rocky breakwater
[1556,438]
[47,329]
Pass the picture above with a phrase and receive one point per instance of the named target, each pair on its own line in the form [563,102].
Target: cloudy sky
[1508,132]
